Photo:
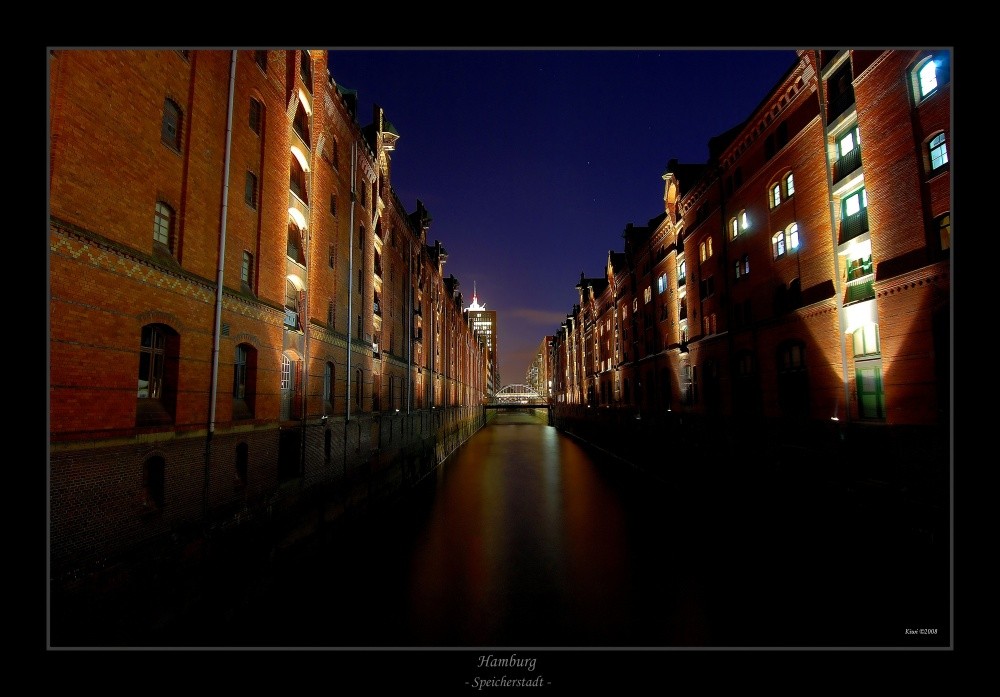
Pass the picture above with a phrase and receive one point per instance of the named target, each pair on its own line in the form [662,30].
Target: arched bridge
[514,396]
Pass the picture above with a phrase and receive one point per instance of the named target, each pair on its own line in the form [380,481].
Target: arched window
[159,347]
[929,75]
[301,124]
[775,195]
[789,184]
[170,127]
[153,483]
[295,248]
[297,180]
[938,151]
[244,381]
[734,228]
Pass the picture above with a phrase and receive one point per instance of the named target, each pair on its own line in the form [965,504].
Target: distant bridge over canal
[518,397]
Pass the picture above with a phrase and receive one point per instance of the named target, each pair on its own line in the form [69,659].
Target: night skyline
[532,162]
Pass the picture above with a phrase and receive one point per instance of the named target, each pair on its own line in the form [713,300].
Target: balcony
[846,164]
[840,103]
[681,280]
[860,289]
[291,319]
[853,226]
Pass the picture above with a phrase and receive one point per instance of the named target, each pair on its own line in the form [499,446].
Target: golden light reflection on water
[526,542]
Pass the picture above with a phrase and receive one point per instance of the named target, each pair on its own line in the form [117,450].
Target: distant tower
[484,323]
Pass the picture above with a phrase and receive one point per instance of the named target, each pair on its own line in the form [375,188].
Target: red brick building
[802,274]
[239,303]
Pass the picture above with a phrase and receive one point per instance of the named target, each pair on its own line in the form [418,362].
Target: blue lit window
[938,151]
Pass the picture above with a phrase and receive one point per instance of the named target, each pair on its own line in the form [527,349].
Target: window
[705,249]
[328,382]
[297,180]
[944,228]
[708,324]
[681,272]
[871,393]
[153,483]
[305,69]
[331,313]
[244,381]
[246,271]
[848,142]
[938,151]
[734,229]
[785,240]
[294,249]
[159,346]
[866,340]
[286,373]
[301,125]
[707,287]
[291,305]
[647,294]
[929,75]
[744,221]
[789,184]
[775,195]
[250,190]
[256,111]
[661,283]
[261,58]
[170,129]
[163,220]
[853,214]
[357,387]
[742,266]
[333,204]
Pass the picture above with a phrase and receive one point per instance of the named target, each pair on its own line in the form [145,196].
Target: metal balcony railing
[853,226]
[846,164]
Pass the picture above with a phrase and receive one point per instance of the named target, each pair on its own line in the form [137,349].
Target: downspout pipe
[350,276]
[219,274]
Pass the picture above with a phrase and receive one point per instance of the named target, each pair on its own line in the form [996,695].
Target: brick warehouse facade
[797,284]
[326,352]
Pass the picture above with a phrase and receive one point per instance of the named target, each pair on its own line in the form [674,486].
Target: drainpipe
[217,331]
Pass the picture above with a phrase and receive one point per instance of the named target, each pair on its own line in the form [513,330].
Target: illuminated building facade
[484,325]
[802,274]
[242,310]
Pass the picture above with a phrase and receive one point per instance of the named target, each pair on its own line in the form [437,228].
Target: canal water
[526,537]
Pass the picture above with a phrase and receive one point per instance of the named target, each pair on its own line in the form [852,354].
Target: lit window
[286,373]
[866,339]
[789,185]
[938,151]
[744,221]
[778,244]
[854,202]
[775,195]
[847,142]
[733,228]
[647,294]
[682,270]
[701,252]
[793,236]
[928,78]
[162,222]
[661,283]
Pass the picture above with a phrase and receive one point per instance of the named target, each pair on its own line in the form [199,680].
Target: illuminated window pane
[847,144]
[733,228]
[793,236]
[928,78]
[775,195]
[939,151]
[744,221]
[852,205]
[789,185]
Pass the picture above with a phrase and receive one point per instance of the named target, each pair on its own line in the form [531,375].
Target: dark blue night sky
[532,162]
